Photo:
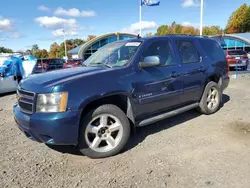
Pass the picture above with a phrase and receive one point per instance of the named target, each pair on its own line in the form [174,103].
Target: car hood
[36,82]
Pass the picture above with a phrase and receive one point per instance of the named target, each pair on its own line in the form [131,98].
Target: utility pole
[65,46]
[201,18]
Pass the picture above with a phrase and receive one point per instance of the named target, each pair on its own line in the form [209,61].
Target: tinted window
[188,52]
[161,49]
[213,50]
[238,52]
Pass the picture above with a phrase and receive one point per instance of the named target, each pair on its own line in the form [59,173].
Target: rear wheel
[211,99]
[104,132]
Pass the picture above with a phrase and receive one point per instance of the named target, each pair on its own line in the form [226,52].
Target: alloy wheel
[103,133]
[212,98]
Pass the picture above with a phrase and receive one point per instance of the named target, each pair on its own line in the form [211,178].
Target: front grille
[26,101]
[26,94]
[27,107]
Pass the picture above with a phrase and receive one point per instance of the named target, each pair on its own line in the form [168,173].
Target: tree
[44,53]
[178,29]
[246,22]
[54,50]
[189,30]
[171,29]
[34,47]
[235,22]
[78,42]
[90,37]
[5,50]
[29,52]
[162,30]
[212,30]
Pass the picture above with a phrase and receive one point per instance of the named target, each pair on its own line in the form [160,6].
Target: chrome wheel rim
[213,98]
[103,133]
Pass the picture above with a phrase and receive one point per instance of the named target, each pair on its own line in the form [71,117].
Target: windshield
[116,54]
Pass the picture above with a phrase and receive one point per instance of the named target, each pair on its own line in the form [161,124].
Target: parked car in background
[7,74]
[14,68]
[48,64]
[237,59]
[248,55]
[71,63]
[124,85]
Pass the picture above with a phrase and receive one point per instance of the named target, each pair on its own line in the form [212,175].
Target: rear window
[238,52]
[213,49]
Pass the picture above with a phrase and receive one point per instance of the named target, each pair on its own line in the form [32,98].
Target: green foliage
[40,54]
[5,50]
[90,37]
[34,47]
[212,30]
[77,42]
[236,20]
[162,30]
[246,22]
[54,50]
[175,28]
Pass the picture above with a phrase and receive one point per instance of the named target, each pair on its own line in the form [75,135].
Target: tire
[208,97]
[95,140]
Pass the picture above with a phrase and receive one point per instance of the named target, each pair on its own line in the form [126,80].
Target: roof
[90,42]
[241,36]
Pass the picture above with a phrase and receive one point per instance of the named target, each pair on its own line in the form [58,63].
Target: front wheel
[211,99]
[104,132]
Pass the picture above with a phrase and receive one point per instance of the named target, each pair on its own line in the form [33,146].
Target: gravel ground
[190,150]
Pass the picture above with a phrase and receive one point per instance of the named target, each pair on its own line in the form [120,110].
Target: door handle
[174,74]
[202,69]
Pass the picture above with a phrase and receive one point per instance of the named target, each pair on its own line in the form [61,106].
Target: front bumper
[240,63]
[49,128]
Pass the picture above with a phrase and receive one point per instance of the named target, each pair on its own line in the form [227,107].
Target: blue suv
[123,85]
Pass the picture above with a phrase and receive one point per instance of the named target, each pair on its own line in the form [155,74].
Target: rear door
[192,70]
[158,88]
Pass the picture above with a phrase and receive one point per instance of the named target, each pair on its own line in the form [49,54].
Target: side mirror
[150,61]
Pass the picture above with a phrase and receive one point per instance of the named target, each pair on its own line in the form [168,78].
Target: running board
[167,115]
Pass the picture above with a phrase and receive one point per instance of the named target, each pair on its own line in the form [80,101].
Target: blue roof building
[234,41]
[88,48]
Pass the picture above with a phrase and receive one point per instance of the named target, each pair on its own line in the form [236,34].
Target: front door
[158,88]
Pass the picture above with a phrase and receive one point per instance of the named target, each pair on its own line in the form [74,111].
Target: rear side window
[188,52]
[213,50]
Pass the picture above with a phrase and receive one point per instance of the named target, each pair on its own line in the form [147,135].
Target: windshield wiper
[99,63]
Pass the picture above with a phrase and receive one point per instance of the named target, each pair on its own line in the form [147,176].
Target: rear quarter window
[213,49]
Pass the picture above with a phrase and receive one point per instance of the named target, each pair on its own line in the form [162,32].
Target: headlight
[52,102]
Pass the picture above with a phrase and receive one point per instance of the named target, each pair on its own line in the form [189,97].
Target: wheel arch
[121,99]
[213,77]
